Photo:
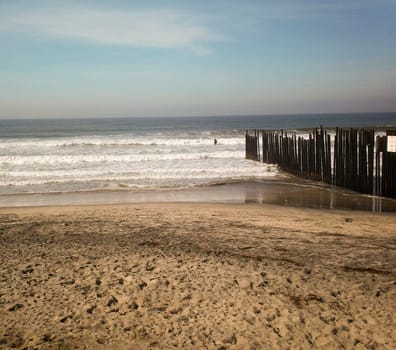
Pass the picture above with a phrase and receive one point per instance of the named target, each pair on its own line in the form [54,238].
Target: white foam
[79,159]
[116,141]
[80,163]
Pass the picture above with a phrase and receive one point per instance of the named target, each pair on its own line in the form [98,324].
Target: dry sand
[196,276]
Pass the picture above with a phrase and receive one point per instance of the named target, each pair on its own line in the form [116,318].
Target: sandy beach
[196,276]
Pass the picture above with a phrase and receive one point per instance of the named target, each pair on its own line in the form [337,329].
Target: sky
[179,58]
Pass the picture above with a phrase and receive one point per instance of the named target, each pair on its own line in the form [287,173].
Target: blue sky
[171,58]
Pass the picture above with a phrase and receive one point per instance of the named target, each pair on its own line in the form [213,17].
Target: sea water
[68,155]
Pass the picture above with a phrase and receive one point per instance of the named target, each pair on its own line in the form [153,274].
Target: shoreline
[285,191]
[196,275]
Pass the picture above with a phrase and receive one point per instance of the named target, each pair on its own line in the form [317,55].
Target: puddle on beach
[318,197]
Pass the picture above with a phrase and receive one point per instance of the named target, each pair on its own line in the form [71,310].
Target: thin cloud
[306,9]
[140,28]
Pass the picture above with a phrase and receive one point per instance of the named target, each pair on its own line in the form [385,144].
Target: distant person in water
[215,141]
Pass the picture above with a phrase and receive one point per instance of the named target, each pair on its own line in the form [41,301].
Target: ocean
[73,155]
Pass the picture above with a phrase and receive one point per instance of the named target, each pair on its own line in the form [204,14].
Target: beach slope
[196,276]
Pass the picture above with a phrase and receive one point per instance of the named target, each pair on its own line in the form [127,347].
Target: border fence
[357,159]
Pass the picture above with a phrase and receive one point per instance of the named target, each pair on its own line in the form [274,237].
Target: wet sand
[196,276]
[285,191]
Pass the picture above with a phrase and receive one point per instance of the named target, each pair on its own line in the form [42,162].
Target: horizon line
[198,116]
